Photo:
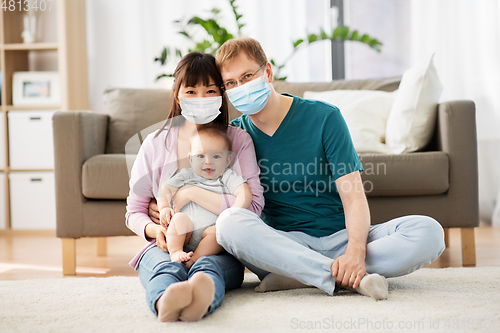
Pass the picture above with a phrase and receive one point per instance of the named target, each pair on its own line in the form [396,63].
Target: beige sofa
[92,178]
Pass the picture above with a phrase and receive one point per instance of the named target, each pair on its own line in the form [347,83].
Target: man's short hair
[233,47]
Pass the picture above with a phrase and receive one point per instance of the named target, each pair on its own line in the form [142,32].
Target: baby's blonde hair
[214,132]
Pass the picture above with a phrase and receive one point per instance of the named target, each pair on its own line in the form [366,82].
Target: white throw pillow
[412,118]
[365,112]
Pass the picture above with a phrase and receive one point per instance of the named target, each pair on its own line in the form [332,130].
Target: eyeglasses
[244,79]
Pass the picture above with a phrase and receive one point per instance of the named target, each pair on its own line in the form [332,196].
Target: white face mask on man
[200,110]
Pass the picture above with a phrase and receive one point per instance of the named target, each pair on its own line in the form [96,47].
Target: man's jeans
[394,248]
[157,272]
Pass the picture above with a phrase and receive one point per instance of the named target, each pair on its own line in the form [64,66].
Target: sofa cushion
[405,174]
[106,176]
[412,119]
[365,112]
[132,110]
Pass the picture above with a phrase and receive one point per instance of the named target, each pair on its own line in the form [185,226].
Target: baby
[193,228]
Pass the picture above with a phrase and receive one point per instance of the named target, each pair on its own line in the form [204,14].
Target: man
[315,226]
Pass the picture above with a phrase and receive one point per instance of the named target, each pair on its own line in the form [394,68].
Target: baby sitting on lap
[193,228]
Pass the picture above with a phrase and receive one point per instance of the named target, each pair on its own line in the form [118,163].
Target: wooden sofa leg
[447,237]
[102,246]
[69,256]
[468,247]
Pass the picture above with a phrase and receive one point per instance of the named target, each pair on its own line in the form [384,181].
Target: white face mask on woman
[200,110]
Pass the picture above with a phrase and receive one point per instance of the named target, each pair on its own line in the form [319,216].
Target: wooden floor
[34,255]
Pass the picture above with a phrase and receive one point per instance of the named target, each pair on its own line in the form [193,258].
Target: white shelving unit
[26,145]
[32,197]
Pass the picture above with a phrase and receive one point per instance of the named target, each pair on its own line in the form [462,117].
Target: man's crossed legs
[394,248]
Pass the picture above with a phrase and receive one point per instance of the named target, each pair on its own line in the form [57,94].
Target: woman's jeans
[157,272]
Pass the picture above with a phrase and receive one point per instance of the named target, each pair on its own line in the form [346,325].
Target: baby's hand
[166,216]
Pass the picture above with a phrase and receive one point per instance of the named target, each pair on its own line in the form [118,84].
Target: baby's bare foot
[180,256]
[203,294]
[175,298]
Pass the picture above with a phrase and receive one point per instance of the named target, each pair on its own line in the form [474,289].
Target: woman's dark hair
[193,69]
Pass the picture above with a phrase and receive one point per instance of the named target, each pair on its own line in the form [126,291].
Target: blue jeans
[157,272]
[394,248]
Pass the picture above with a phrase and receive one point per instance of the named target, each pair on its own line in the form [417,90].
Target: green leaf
[183,32]
[272,62]
[195,20]
[203,46]
[297,42]
[237,15]
[323,34]
[375,44]
[163,75]
[336,33]
[344,31]
[312,38]
[163,56]
[354,35]
[365,39]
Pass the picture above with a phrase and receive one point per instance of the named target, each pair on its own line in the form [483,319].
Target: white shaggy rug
[451,299]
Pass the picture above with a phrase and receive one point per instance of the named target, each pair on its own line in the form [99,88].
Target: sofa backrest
[133,110]
[130,111]
[298,88]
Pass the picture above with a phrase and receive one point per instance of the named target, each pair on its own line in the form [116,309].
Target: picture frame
[36,88]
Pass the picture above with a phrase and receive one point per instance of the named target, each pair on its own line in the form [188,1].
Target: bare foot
[203,294]
[175,298]
[180,256]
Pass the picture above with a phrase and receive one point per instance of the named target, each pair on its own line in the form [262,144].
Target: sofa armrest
[78,135]
[456,136]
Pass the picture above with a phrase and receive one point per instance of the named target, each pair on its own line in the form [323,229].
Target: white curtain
[465,35]
[124,37]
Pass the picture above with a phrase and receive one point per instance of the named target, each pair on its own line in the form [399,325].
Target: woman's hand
[166,215]
[182,197]
[207,199]
[153,212]
[161,238]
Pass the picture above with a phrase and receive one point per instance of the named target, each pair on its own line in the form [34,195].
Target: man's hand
[153,212]
[349,269]
[161,238]
[166,215]
[182,197]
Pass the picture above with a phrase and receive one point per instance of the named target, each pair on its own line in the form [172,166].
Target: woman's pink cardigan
[154,163]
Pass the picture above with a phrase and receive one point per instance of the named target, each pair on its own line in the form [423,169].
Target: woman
[173,291]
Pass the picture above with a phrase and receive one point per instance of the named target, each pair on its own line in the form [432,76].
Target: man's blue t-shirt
[299,164]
